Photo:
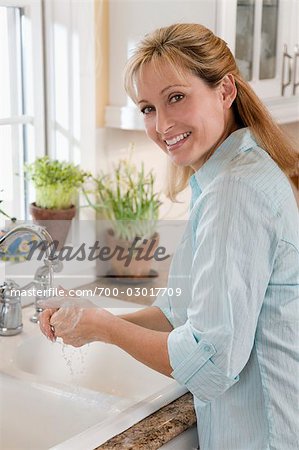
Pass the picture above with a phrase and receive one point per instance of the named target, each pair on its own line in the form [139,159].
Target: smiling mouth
[176,139]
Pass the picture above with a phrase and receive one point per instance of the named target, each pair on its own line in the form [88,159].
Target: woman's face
[183,115]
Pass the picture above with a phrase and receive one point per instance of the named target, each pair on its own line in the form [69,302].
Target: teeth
[178,138]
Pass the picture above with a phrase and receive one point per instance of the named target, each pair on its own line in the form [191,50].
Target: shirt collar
[237,142]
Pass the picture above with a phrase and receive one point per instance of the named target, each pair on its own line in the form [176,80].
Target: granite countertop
[157,429]
[171,420]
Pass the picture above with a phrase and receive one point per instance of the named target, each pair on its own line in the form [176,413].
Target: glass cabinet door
[244,37]
[269,31]
[256,38]
[266,35]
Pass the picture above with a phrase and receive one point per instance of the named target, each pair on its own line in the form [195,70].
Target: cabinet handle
[286,56]
[295,84]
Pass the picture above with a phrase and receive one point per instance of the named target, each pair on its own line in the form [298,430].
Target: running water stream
[75,358]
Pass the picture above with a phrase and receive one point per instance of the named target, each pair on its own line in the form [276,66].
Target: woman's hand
[44,323]
[77,325]
[76,321]
[49,307]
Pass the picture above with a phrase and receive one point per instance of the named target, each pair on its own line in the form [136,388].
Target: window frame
[33,10]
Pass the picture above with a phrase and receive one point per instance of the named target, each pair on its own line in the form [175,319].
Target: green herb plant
[56,182]
[126,198]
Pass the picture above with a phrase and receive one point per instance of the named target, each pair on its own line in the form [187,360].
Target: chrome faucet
[11,309]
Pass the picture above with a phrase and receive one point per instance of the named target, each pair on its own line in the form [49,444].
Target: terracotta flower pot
[56,221]
[136,263]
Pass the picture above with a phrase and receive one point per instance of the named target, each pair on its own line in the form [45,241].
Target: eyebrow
[164,90]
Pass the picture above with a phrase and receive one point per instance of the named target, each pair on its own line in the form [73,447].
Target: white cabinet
[263,35]
[129,21]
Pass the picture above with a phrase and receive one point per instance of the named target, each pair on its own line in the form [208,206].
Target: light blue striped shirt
[235,338]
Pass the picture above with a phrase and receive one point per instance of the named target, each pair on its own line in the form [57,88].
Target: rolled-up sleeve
[234,246]
[194,367]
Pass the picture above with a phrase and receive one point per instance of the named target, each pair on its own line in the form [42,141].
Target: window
[69,29]
[22,106]
[64,84]
[47,90]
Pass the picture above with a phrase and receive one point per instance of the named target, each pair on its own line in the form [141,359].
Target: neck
[230,126]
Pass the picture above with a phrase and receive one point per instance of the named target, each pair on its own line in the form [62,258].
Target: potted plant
[57,184]
[127,200]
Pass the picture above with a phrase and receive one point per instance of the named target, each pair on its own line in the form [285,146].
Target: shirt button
[207,348]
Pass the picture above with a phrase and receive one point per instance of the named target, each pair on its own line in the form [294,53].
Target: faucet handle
[6,288]
[11,310]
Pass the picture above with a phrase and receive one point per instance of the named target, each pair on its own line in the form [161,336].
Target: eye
[147,110]
[176,98]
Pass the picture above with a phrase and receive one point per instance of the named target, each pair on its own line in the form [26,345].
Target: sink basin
[35,417]
[55,396]
[99,367]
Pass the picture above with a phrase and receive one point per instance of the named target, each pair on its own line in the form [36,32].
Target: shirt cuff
[193,367]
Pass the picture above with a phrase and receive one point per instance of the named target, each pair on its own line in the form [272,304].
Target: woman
[231,336]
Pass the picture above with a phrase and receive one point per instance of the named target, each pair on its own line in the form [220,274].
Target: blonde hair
[195,48]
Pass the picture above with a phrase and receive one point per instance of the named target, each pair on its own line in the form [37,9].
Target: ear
[228,90]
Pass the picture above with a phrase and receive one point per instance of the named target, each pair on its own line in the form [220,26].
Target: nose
[164,122]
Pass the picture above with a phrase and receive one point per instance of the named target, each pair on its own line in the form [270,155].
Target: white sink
[56,396]
[99,367]
[33,416]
